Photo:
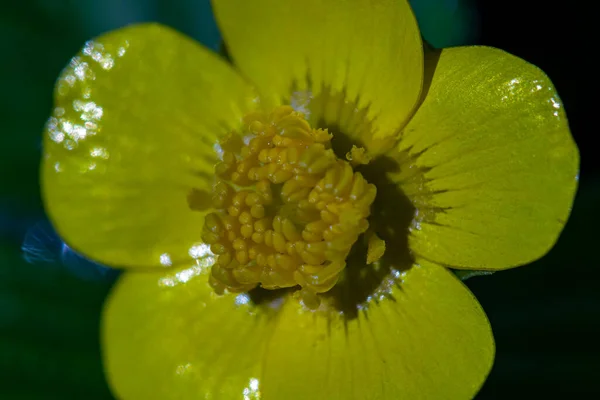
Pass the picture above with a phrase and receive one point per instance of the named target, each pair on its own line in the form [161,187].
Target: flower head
[287,221]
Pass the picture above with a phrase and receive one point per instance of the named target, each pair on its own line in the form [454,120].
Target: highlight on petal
[167,335]
[489,162]
[427,339]
[358,51]
[130,148]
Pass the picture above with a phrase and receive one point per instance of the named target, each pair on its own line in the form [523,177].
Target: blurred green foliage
[49,324]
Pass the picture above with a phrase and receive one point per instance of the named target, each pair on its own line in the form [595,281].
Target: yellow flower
[162,158]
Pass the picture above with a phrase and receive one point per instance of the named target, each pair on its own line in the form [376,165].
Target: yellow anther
[262,225]
[218,248]
[358,156]
[310,299]
[375,248]
[210,237]
[289,230]
[321,135]
[312,236]
[223,170]
[277,223]
[229,158]
[256,145]
[252,252]
[317,248]
[316,226]
[320,164]
[261,260]
[313,258]
[279,242]
[330,271]
[246,275]
[231,236]
[239,199]
[286,262]
[263,156]
[239,244]
[293,212]
[314,197]
[253,199]
[269,238]
[222,196]
[308,269]
[271,262]
[213,224]
[246,231]
[229,222]
[242,257]
[344,181]
[224,260]
[258,237]
[257,211]
[299,279]
[290,188]
[245,218]
[231,143]
[233,211]
[264,189]
[358,188]
[273,154]
[328,217]
[281,176]
[299,246]
[293,155]
[255,127]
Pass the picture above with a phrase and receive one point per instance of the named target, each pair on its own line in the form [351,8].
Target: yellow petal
[498,166]
[370,53]
[166,335]
[131,137]
[427,339]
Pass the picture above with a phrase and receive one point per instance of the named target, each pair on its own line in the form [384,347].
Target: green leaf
[49,323]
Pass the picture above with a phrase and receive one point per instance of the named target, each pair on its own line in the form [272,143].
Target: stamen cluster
[289,210]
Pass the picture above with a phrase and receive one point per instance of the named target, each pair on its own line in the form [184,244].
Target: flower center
[289,211]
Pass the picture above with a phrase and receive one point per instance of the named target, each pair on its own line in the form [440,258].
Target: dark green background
[545,316]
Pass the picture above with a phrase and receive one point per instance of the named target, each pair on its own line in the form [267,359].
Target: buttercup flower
[287,221]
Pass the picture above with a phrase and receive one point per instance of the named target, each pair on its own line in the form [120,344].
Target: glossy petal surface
[367,52]
[166,335]
[492,164]
[136,116]
[428,339]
